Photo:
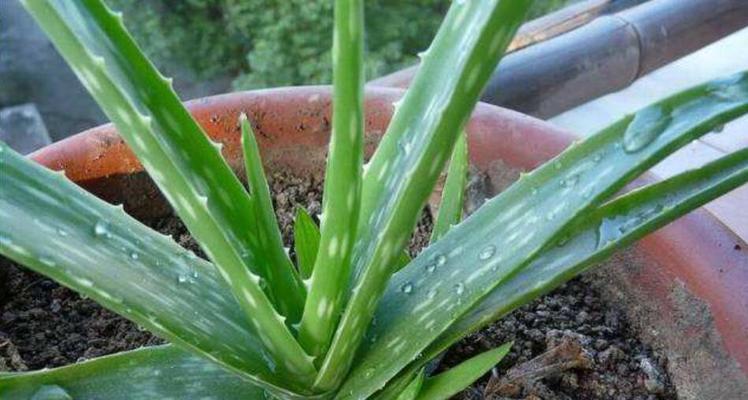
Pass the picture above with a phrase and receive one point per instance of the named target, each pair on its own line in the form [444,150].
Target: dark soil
[610,362]
[43,325]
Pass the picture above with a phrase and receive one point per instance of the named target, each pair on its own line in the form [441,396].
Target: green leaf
[53,227]
[306,241]
[414,387]
[398,384]
[453,194]
[163,372]
[342,192]
[403,260]
[673,198]
[408,161]
[180,158]
[449,383]
[509,231]
[596,236]
[270,250]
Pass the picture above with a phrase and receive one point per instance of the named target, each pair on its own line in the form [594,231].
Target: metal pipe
[564,20]
[605,55]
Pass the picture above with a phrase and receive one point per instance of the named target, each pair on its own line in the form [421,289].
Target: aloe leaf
[180,158]
[411,391]
[450,208]
[453,194]
[342,192]
[306,242]
[403,260]
[163,372]
[408,161]
[53,227]
[270,250]
[669,199]
[510,230]
[398,384]
[449,383]
[613,226]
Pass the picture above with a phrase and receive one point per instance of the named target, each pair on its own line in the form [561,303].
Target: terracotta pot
[685,287]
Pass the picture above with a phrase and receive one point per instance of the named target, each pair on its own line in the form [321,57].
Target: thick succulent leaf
[412,154]
[453,194]
[449,383]
[52,226]
[402,261]
[451,277]
[342,192]
[398,384]
[633,212]
[411,391]
[306,242]
[179,157]
[270,249]
[164,372]
[596,236]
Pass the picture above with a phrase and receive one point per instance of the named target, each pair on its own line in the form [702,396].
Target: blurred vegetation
[267,43]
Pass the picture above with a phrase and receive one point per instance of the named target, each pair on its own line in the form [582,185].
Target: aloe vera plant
[248,322]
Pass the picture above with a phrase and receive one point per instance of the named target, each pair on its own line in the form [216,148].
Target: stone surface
[31,71]
[22,128]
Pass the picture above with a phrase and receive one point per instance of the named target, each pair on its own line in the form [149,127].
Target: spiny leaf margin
[179,157]
[504,235]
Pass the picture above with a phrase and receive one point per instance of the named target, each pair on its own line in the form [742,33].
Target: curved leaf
[342,192]
[182,161]
[451,382]
[453,194]
[306,241]
[410,392]
[408,161]
[53,227]
[163,372]
[596,236]
[270,250]
[624,220]
[509,231]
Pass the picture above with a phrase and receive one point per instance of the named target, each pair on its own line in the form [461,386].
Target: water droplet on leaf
[441,259]
[487,252]
[101,229]
[459,289]
[51,392]
[646,126]
[407,288]
[731,88]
